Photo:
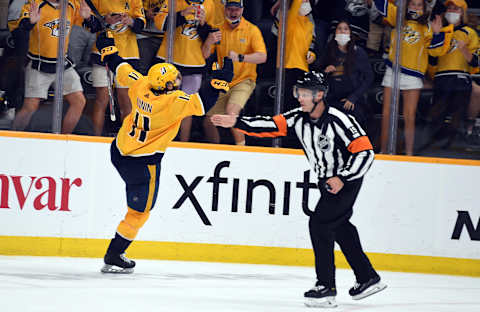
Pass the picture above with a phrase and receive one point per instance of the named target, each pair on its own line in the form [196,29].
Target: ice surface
[75,284]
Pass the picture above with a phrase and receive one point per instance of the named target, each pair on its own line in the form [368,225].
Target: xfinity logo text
[216,180]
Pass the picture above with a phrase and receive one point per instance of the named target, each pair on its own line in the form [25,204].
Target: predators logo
[411,36]
[189,29]
[54,27]
[118,27]
[453,46]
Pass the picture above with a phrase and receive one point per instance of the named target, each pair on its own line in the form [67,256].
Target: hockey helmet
[164,76]
[315,81]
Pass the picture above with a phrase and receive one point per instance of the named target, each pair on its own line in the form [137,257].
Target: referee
[340,153]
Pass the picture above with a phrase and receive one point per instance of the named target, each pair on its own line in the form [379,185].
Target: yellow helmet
[164,76]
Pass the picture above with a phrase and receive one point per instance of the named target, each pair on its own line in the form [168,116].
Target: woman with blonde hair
[421,38]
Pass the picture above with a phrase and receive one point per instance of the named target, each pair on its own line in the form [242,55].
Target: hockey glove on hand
[106,45]
[221,77]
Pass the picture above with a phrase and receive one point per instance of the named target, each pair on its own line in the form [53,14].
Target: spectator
[80,46]
[150,39]
[379,32]
[320,17]
[194,19]
[40,72]
[452,81]
[125,19]
[350,73]
[13,62]
[473,131]
[299,54]
[357,13]
[243,43]
[421,39]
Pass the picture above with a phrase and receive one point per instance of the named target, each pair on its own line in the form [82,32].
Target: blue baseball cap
[234,3]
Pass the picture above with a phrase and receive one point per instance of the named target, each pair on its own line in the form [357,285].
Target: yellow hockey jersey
[453,62]
[187,49]
[418,41]
[299,38]
[125,38]
[155,119]
[43,42]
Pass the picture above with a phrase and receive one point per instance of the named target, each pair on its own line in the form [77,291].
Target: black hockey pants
[329,224]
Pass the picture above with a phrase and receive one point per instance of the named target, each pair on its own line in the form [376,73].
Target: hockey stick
[111,100]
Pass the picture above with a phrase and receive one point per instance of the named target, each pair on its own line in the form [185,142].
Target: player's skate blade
[117,263]
[325,302]
[375,288]
[107,268]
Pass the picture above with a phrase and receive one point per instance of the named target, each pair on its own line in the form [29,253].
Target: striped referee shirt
[335,144]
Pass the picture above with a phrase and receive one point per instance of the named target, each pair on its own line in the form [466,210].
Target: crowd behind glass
[353,41]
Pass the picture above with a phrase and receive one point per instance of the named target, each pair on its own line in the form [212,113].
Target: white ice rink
[30,284]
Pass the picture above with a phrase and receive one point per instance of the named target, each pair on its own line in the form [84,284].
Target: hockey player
[158,108]
[340,153]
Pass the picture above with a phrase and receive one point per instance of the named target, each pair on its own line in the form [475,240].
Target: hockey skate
[117,264]
[370,287]
[321,297]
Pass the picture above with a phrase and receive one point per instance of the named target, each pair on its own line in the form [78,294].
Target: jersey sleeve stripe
[281,123]
[359,145]
[275,129]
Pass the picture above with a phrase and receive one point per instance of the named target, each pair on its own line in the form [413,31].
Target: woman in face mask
[299,54]
[350,74]
[452,81]
[421,38]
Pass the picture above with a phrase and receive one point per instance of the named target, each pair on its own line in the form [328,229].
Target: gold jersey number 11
[142,131]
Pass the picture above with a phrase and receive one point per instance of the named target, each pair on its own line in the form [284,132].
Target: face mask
[233,22]
[452,17]
[342,39]
[305,9]
[414,14]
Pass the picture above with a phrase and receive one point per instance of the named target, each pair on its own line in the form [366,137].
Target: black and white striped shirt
[335,144]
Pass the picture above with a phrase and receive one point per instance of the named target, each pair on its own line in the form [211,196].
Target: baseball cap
[234,3]
[459,3]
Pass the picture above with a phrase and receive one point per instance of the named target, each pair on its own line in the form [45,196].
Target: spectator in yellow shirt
[243,42]
[40,19]
[194,18]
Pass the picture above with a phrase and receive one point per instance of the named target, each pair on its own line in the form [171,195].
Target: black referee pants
[329,224]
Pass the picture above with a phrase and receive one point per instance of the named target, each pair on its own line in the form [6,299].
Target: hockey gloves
[221,77]
[106,45]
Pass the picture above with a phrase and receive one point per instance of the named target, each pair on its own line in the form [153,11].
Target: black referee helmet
[315,81]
